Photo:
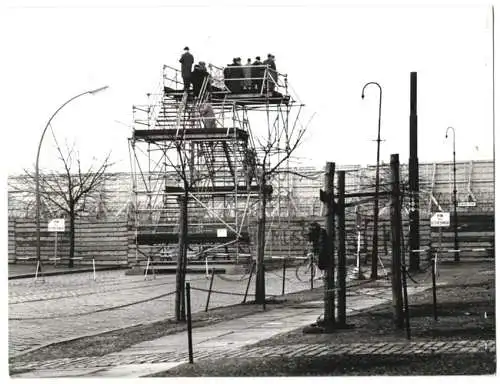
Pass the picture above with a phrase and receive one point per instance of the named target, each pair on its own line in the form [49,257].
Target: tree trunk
[181,260]
[71,234]
[329,287]
[185,243]
[260,284]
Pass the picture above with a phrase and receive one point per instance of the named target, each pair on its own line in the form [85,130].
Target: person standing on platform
[257,74]
[239,75]
[272,72]
[247,74]
[207,115]
[186,61]
[198,76]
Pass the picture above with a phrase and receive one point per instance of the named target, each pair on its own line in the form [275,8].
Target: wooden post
[249,280]
[311,265]
[264,275]
[397,300]
[434,294]
[189,325]
[358,256]
[329,288]
[414,216]
[210,289]
[284,277]
[55,251]
[365,240]
[342,249]
[407,309]
[386,249]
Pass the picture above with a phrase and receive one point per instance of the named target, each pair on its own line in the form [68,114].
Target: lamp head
[363,95]
[99,90]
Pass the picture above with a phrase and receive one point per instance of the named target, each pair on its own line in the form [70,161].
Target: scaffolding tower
[199,143]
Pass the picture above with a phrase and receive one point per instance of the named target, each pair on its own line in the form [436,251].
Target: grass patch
[352,365]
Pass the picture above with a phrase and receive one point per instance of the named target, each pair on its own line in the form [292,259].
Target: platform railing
[259,79]
[172,78]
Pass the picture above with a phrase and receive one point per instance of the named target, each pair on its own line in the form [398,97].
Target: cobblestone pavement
[85,365]
[71,306]
[232,338]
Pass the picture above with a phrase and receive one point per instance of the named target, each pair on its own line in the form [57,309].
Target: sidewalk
[27,271]
[221,340]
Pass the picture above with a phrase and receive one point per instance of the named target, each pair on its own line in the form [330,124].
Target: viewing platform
[190,134]
[242,97]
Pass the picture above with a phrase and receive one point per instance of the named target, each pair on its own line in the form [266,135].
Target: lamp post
[377,185]
[37,180]
[455,218]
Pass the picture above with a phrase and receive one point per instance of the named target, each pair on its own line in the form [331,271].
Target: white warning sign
[440,219]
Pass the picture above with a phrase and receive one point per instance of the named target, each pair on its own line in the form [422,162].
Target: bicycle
[309,268]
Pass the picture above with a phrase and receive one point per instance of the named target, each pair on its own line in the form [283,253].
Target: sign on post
[56,225]
[466,204]
[440,219]
[222,232]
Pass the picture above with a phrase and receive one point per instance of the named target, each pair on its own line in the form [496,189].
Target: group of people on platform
[238,78]
[250,77]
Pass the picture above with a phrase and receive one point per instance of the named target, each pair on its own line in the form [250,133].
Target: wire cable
[96,311]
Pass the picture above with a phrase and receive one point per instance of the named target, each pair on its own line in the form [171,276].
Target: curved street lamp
[37,181]
[377,185]
[455,218]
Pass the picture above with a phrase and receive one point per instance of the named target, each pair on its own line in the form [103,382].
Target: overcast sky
[53,53]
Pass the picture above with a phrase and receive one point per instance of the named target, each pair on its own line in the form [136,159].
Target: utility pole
[397,299]
[414,215]
[327,197]
[342,251]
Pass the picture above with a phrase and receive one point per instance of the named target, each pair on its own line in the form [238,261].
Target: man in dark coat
[257,74]
[272,72]
[197,77]
[234,71]
[186,61]
[247,74]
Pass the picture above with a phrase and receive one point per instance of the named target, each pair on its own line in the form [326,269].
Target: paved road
[235,339]
[70,306]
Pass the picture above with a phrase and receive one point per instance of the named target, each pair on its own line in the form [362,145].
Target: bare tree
[186,173]
[274,152]
[69,192]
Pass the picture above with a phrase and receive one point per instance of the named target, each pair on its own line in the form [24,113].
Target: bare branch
[297,142]
[291,172]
